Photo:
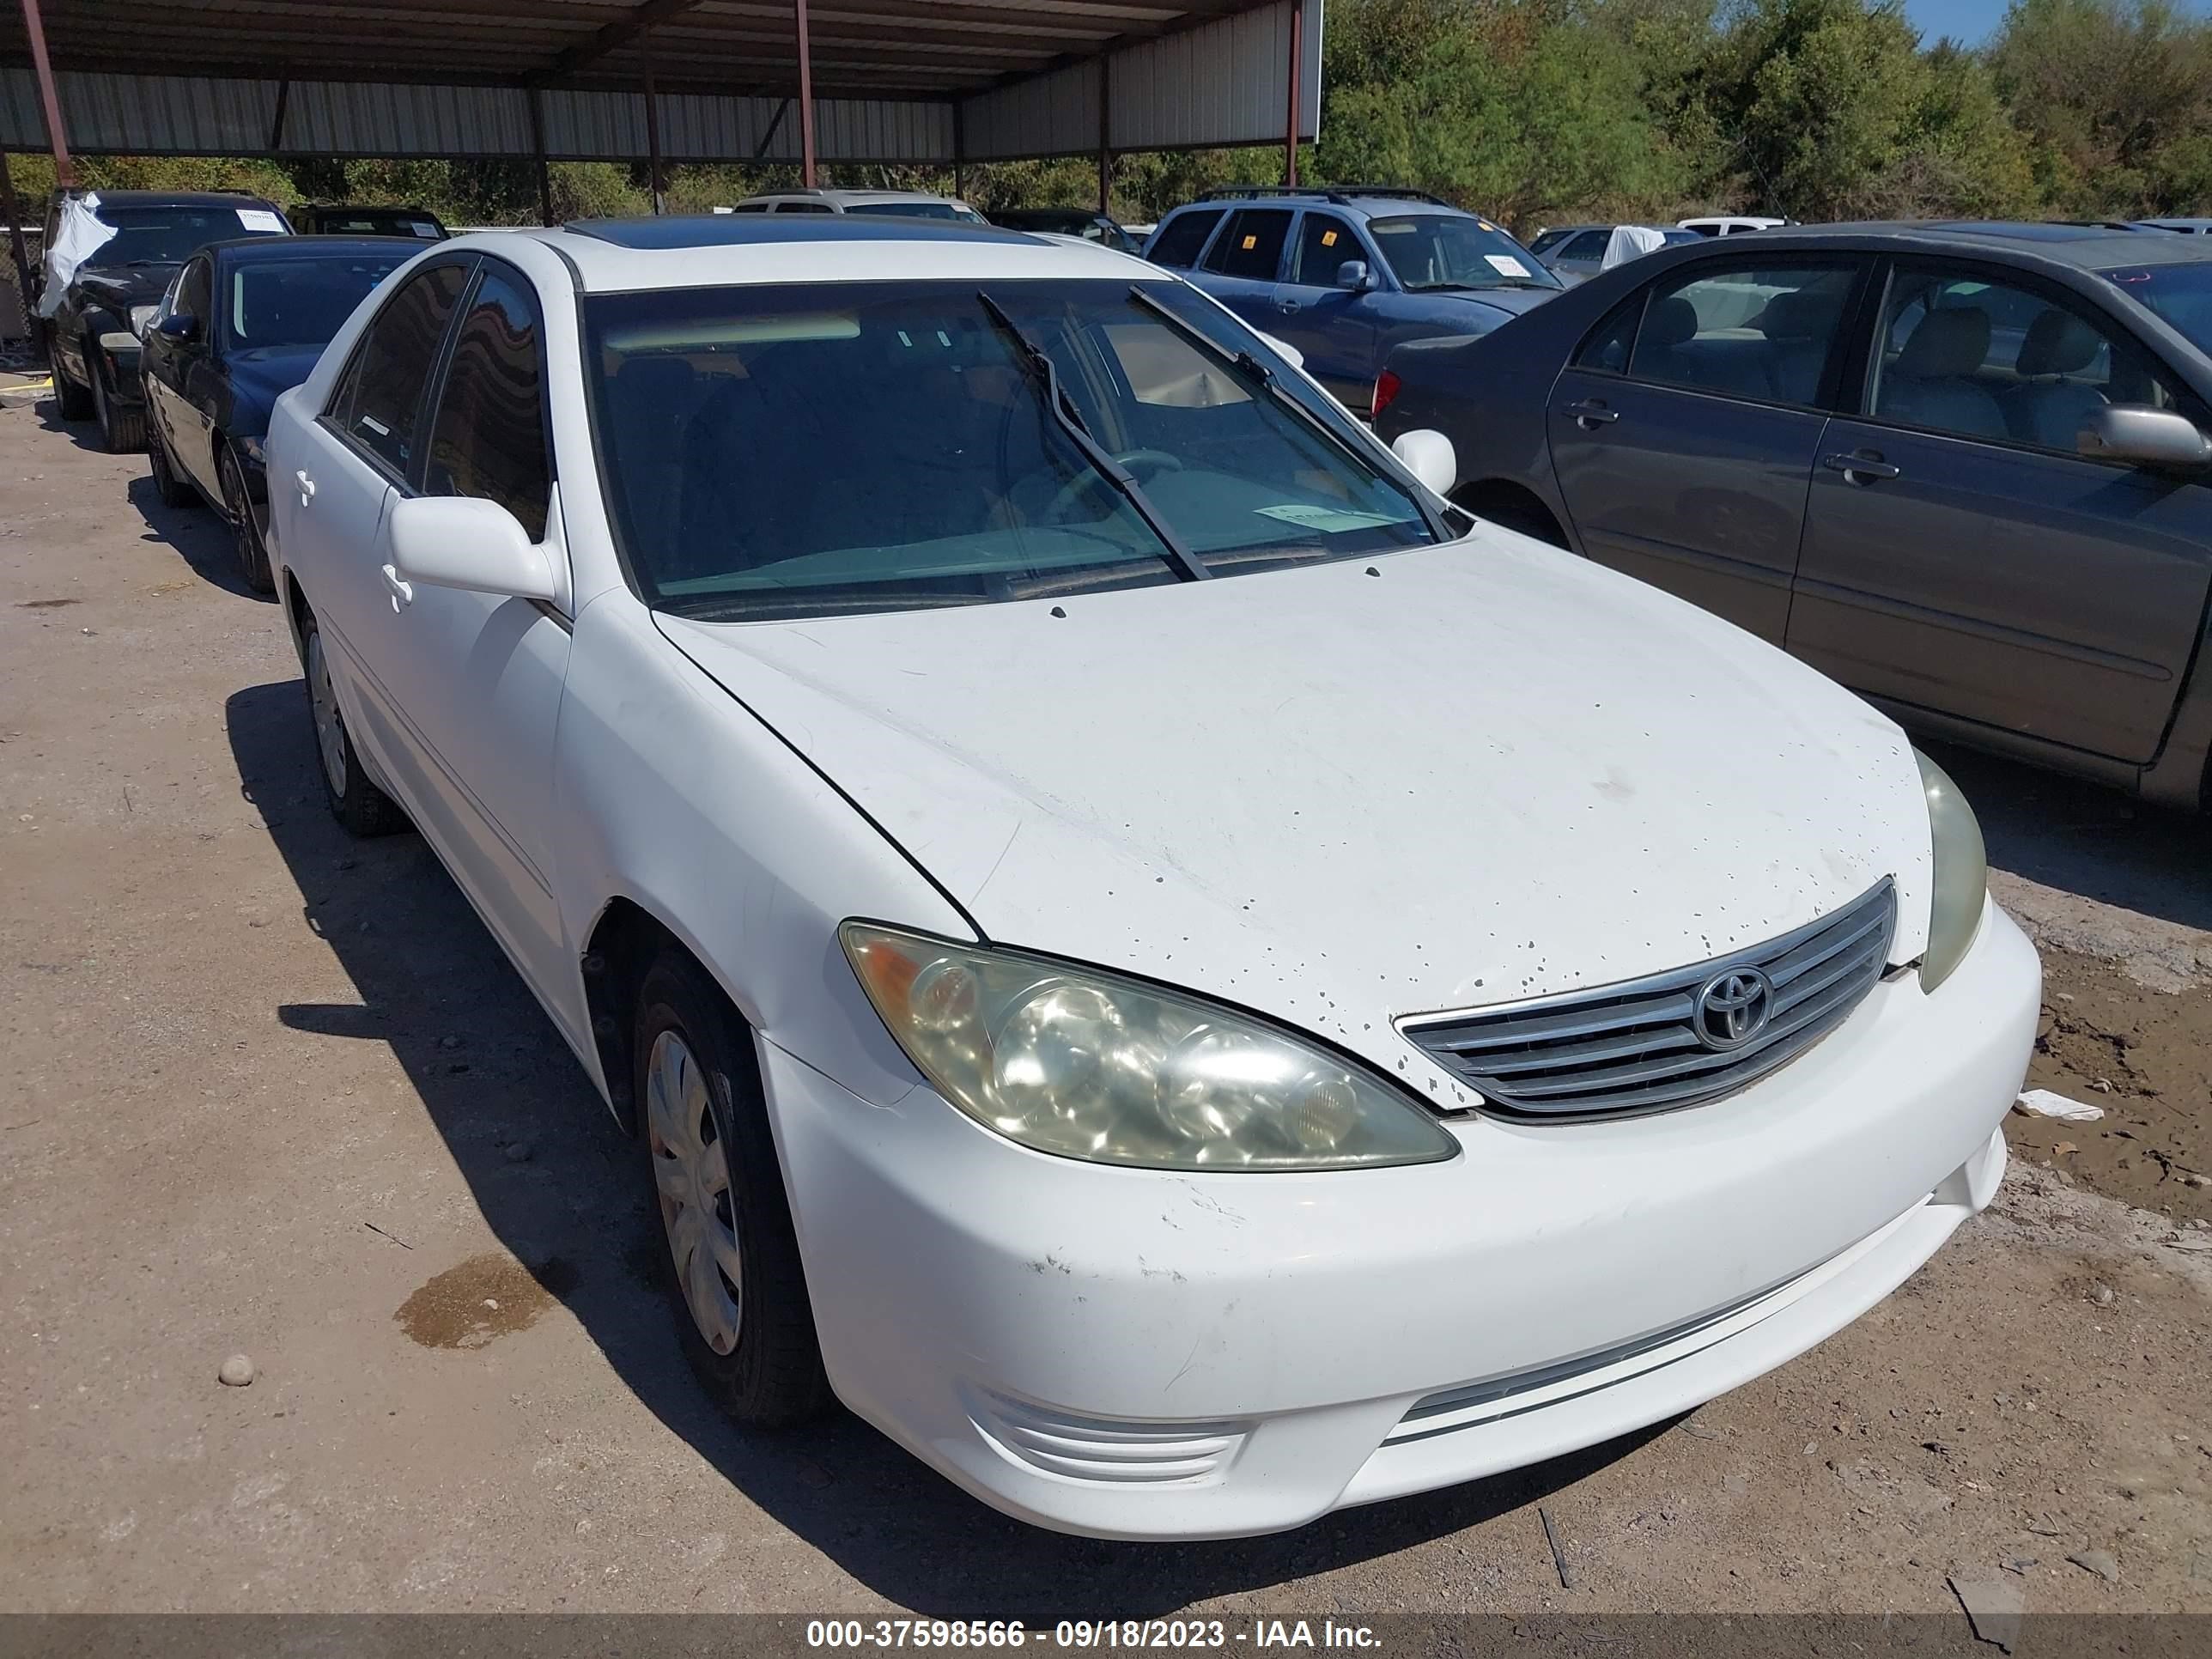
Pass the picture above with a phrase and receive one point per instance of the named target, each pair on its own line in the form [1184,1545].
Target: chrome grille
[1654,1044]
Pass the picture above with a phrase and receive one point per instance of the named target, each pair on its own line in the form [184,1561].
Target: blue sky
[1974,20]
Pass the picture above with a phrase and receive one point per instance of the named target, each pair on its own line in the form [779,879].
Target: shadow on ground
[2084,839]
[197,533]
[491,1070]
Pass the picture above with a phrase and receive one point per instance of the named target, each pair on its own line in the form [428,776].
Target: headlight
[1962,875]
[140,316]
[1089,1065]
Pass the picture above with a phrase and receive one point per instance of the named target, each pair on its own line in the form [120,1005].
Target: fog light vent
[1105,1448]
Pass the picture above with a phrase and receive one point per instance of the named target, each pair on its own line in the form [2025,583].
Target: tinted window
[1587,245]
[804,207]
[301,302]
[2181,294]
[1181,238]
[1252,245]
[1437,253]
[1547,240]
[1609,346]
[809,450]
[488,438]
[1325,242]
[383,385]
[1992,360]
[750,207]
[917,210]
[1754,330]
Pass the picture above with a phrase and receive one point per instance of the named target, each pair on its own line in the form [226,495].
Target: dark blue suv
[1346,274]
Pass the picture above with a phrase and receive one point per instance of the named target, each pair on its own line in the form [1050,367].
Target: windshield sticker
[1506,266]
[260,219]
[421,228]
[1329,520]
[1328,239]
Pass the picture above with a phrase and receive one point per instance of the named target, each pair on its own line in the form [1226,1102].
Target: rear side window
[1252,246]
[1181,237]
[803,207]
[489,438]
[1590,245]
[1608,347]
[382,386]
[1754,330]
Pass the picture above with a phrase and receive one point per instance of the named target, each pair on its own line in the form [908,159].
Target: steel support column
[538,151]
[805,101]
[1298,59]
[1105,134]
[652,143]
[64,169]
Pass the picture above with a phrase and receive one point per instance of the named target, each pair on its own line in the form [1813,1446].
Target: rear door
[1961,557]
[1333,327]
[1685,432]
[1243,261]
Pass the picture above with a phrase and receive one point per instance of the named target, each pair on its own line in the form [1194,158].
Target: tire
[121,430]
[246,534]
[173,489]
[354,802]
[704,1130]
[72,401]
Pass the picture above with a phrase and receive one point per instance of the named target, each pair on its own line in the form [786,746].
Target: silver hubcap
[330,730]
[697,1209]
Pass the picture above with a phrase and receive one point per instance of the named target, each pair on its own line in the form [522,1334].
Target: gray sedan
[1962,468]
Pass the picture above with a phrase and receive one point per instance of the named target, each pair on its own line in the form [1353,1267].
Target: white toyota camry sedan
[1181,978]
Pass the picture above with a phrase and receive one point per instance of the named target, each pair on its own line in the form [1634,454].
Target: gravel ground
[273,1092]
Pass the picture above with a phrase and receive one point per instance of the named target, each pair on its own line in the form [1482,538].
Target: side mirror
[2144,436]
[459,541]
[1428,457]
[1283,348]
[1354,275]
[178,326]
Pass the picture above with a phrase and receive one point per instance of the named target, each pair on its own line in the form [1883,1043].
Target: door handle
[306,486]
[1288,308]
[402,593]
[1862,469]
[1591,413]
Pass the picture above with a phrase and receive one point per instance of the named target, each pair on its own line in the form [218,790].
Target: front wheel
[354,801]
[173,489]
[732,1263]
[246,530]
[121,430]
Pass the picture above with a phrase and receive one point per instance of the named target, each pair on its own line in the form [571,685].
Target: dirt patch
[2146,1058]
[486,1297]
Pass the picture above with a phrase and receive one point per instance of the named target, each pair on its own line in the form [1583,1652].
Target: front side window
[1978,359]
[917,210]
[383,384]
[1587,245]
[193,290]
[1179,239]
[1251,246]
[1325,242]
[1754,330]
[811,450]
[299,302]
[1445,253]
[804,207]
[489,438]
[2180,294]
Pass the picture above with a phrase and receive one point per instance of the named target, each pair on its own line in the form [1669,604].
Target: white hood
[1346,793]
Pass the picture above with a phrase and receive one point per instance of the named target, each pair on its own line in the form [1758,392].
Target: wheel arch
[625,940]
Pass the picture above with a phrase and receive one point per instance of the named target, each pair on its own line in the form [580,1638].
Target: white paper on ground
[2042,1102]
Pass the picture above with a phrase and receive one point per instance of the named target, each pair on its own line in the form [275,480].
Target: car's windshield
[794,450]
[919,210]
[171,235]
[301,302]
[2180,294]
[1432,252]
[377,222]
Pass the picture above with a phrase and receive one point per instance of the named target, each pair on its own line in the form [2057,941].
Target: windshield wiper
[1038,368]
[1257,374]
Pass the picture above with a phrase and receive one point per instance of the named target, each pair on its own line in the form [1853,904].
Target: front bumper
[1133,1354]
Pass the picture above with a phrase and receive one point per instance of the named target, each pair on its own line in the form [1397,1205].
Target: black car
[93,334]
[1964,469]
[245,323]
[1090,226]
[322,219]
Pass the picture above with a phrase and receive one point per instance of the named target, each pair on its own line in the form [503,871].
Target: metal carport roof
[913,81]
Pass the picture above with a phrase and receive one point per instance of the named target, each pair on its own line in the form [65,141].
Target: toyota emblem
[1733,1008]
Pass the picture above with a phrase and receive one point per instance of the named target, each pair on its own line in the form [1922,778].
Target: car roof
[854,196]
[270,250]
[220,198]
[2088,247]
[722,250]
[1361,204]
